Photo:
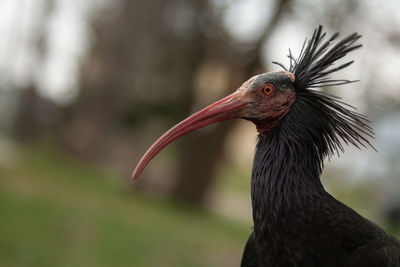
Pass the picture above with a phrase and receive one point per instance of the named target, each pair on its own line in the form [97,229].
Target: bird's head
[265,99]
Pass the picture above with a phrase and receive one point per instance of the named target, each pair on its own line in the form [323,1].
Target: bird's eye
[269,89]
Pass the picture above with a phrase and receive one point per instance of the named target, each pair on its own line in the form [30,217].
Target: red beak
[227,108]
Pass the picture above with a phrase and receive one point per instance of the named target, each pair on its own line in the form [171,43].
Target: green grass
[59,212]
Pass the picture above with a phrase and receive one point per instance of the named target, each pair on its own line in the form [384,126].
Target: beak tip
[135,175]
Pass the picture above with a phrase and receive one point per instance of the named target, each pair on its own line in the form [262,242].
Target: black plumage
[296,222]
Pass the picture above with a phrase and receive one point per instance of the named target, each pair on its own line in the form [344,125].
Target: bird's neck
[285,188]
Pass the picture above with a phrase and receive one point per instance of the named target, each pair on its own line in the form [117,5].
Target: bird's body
[296,222]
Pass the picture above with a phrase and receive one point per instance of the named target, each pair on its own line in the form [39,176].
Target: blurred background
[87,86]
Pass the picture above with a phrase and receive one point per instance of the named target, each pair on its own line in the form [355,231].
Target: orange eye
[269,89]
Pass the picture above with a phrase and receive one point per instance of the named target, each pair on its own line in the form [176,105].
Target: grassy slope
[58,212]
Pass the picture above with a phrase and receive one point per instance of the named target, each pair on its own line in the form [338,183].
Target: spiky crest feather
[334,120]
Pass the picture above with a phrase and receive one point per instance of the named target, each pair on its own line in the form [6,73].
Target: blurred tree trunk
[26,126]
[31,108]
[201,151]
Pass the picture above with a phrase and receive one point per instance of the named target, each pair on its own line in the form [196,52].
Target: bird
[296,221]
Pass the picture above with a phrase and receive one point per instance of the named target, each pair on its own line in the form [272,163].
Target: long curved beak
[227,108]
